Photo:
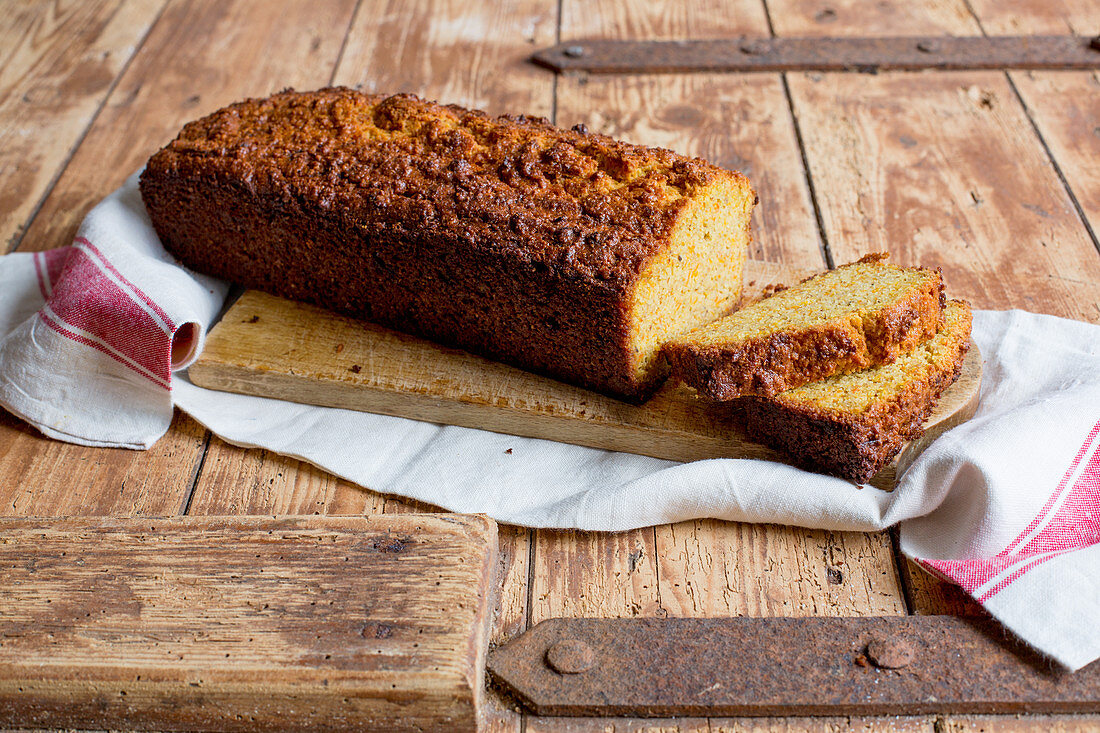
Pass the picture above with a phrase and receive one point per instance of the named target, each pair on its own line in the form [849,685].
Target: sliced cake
[859,315]
[851,425]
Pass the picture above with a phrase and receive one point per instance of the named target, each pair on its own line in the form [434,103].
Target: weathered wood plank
[644,19]
[597,575]
[245,623]
[1021,724]
[1065,107]
[805,18]
[713,569]
[238,480]
[1038,17]
[200,54]
[46,478]
[471,54]
[510,578]
[944,170]
[57,64]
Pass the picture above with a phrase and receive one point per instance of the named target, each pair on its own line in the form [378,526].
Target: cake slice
[859,315]
[851,425]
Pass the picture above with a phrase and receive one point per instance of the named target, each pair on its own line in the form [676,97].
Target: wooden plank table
[990,175]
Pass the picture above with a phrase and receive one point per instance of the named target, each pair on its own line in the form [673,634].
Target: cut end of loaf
[696,278]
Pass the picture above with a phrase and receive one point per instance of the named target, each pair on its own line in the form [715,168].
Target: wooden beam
[1080,17]
[245,623]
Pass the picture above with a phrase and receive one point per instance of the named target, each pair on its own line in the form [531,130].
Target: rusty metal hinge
[905,53]
[902,665]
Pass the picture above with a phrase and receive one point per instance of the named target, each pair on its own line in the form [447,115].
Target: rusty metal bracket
[905,53]
[902,665]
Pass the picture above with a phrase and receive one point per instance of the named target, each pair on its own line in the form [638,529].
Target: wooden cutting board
[273,347]
[245,623]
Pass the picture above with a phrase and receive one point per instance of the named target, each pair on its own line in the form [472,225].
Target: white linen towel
[1007,505]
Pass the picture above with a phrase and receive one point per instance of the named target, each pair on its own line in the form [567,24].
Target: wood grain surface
[245,623]
[58,64]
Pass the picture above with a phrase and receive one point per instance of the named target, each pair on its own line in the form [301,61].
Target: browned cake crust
[771,363]
[856,445]
[504,236]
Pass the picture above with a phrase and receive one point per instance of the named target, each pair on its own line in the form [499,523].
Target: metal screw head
[573,51]
[890,652]
[570,656]
[928,46]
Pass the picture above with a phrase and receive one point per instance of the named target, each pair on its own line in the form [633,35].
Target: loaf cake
[854,317]
[558,251]
[851,425]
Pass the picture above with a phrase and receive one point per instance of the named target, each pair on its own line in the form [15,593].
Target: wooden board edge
[119,700]
[479,524]
[473,414]
[663,444]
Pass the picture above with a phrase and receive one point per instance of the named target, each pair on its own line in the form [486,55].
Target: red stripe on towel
[1056,530]
[93,307]
[136,290]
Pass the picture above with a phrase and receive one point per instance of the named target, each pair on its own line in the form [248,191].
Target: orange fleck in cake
[851,425]
[856,316]
[558,251]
